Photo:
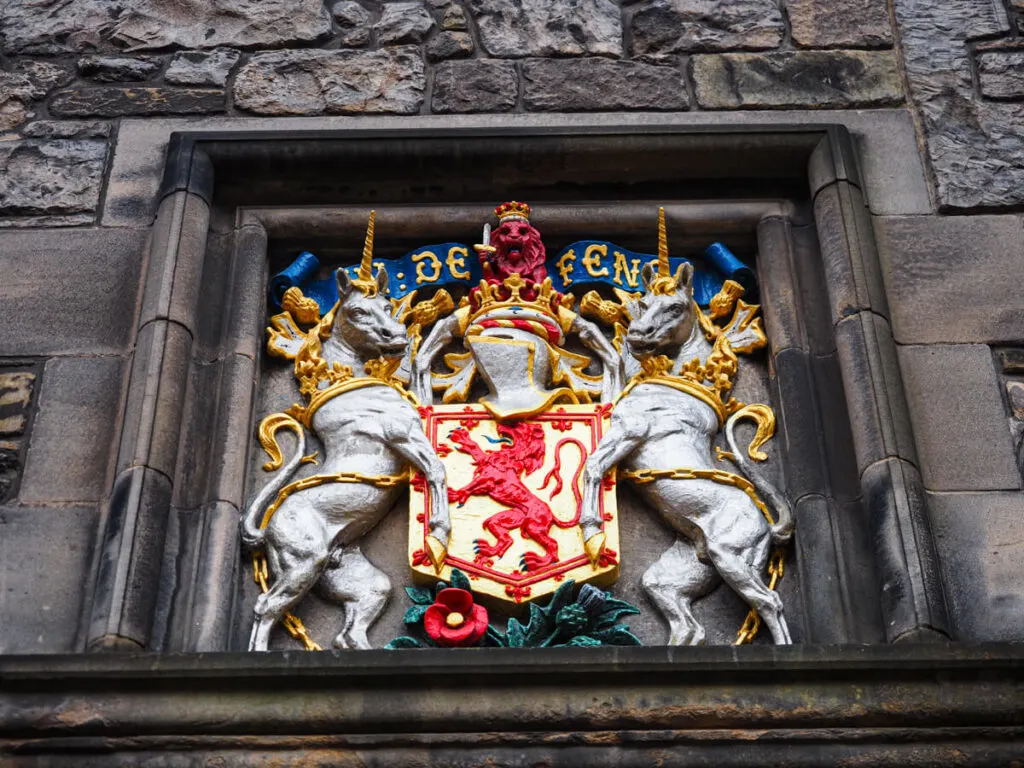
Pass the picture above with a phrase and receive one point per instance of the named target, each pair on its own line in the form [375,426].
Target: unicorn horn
[365,267]
[663,268]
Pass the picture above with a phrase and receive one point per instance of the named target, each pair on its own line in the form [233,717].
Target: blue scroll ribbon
[585,262]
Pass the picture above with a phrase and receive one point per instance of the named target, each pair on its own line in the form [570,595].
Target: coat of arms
[512,417]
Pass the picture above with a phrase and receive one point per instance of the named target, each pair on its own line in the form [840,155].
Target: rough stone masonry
[67,72]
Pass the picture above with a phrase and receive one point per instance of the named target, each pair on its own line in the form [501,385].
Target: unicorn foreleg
[408,440]
[621,440]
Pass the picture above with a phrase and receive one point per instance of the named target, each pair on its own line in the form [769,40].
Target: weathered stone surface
[44,559]
[980,548]
[66,129]
[1015,397]
[50,177]
[676,26]
[576,85]
[450,45]
[475,86]
[81,25]
[44,75]
[118,69]
[1001,74]
[74,433]
[959,418]
[70,292]
[30,81]
[403,23]
[797,78]
[548,27]
[455,18]
[932,264]
[354,22]
[976,147]
[117,102]
[850,24]
[191,68]
[332,82]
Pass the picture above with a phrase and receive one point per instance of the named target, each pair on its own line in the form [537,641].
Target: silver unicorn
[721,533]
[369,431]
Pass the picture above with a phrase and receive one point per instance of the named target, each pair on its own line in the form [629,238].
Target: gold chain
[776,563]
[292,623]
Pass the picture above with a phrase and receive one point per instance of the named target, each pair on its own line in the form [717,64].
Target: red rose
[454,620]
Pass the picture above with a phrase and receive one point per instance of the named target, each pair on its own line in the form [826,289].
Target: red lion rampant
[517,247]
[499,475]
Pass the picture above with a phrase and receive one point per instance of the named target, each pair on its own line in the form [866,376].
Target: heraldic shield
[515,493]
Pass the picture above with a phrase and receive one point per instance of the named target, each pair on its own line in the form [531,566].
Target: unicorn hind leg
[673,582]
[361,588]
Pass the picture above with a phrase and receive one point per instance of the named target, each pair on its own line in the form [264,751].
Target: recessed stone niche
[235,209]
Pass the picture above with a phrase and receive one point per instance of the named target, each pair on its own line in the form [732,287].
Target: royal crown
[513,210]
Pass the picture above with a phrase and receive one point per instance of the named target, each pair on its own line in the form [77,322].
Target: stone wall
[89,92]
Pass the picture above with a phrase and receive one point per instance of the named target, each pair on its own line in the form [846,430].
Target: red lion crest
[499,475]
[518,248]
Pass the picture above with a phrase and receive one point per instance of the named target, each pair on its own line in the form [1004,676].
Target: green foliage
[582,618]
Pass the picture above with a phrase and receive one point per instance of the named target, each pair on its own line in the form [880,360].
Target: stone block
[84,25]
[45,560]
[312,82]
[66,129]
[579,85]
[959,418]
[59,177]
[840,79]
[354,22]
[450,45]
[851,24]
[475,86]
[454,18]
[932,265]
[403,22]
[156,392]
[980,549]
[681,26]
[111,101]
[545,28]
[873,390]
[130,561]
[69,292]
[799,425]
[75,433]
[849,258]
[911,597]
[176,253]
[1001,74]
[201,578]
[118,69]
[1011,360]
[197,68]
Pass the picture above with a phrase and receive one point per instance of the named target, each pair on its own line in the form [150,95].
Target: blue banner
[583,263]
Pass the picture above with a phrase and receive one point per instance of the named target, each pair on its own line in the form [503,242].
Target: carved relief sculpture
[513,473]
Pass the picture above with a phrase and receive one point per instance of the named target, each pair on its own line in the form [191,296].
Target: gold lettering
[592,259]
[457,258]
[564,265]
[622,270]
[421,268]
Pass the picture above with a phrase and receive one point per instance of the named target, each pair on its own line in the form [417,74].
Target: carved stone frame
[167,567]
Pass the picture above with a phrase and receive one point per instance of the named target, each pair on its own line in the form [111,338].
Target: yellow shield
[515,491]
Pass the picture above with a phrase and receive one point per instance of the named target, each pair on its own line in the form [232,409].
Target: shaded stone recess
[17,384]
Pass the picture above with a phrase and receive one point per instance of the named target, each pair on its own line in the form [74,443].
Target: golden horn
[663,269]
[365,267]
